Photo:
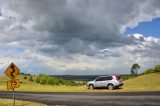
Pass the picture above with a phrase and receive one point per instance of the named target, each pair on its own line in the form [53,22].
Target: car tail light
[116,77]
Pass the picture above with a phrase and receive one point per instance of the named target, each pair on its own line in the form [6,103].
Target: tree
[135,67]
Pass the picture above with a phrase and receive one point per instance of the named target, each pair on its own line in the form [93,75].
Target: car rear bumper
[120,85]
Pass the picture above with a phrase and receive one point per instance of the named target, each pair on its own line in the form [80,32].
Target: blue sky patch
[146,28]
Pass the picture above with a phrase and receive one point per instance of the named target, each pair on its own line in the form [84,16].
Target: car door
[101,82]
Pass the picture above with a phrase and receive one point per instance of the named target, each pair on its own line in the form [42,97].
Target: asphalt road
[89,99]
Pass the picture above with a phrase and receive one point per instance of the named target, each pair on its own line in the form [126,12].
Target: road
[89,99]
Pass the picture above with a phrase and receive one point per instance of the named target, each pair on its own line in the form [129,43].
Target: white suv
[110,82]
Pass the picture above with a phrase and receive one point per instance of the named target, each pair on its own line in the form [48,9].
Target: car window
[109,78]
[99,79]
[103,78]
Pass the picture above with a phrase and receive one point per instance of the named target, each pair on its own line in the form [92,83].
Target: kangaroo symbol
[12,67]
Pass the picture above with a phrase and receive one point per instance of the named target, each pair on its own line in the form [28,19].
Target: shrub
[38,79]
[50,81]
[56,81]
[43,79]
[25,77]
[157,68]
[151,70]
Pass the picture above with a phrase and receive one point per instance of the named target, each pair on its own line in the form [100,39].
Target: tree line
[49,80]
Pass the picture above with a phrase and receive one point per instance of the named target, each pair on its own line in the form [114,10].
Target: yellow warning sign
[13,84]
[12,71]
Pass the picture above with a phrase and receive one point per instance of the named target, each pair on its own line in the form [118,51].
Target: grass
[149,82]
[9,102]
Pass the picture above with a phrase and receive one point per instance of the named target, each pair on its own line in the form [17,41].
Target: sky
[147,28]
[79,37]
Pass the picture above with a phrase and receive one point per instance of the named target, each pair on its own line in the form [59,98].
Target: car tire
[116,87]
[111,87]
[91,87]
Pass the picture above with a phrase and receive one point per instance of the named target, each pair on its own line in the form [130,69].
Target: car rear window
[109,78]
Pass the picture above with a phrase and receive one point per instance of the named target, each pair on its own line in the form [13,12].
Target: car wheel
[91,87]
[116,87]
[110,86]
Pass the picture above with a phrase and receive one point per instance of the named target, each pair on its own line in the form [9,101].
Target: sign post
[13,98]
[12,71]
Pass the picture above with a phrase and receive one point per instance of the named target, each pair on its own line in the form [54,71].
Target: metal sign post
[13,98]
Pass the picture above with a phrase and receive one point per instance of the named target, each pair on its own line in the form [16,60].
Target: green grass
[9,102]
[149,82]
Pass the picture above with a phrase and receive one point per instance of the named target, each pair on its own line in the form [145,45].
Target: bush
[43,79]
[56,81]
[25,77]
[157,68]
[50,81]
[151,70]
[30,78]
[38,78]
